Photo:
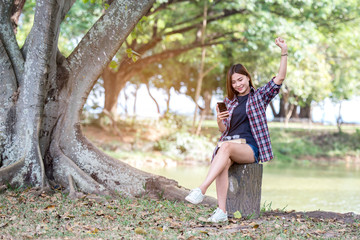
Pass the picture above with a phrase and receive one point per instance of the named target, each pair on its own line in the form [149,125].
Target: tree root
[3,188]
[95,172]
[111,173]
[73,194]
[66,172]
[162,188]
[7,173]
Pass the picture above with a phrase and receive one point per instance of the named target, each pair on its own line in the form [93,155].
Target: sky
[325,112]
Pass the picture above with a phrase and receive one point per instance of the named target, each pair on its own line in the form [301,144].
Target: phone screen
[222,106]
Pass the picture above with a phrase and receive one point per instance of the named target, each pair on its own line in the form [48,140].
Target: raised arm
[283,62]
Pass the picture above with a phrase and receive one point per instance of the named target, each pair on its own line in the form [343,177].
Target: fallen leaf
[68,228]
[139,230]
[202,219]
[100,213]
[68,216]
[237,214]
[49,208]
[255,226]
[110,217]
[4,224]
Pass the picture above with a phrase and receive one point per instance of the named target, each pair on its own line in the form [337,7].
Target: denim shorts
[256,152]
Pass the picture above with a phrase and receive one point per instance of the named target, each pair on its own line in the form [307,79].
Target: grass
[25,214]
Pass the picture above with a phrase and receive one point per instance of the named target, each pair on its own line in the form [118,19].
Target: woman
[244,119]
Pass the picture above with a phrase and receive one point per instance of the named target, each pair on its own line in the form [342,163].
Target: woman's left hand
[282,44]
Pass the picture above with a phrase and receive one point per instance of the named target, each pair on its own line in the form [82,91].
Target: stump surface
[244,193]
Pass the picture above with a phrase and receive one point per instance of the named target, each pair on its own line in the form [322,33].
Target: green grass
[24,214]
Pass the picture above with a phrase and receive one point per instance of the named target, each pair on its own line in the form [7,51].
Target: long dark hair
[236,68]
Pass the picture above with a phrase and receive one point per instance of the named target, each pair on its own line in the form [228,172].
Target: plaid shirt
[256,111]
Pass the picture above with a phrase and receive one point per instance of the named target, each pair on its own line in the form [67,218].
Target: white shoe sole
[190,201]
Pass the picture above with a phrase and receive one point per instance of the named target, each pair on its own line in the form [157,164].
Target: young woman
[245,118]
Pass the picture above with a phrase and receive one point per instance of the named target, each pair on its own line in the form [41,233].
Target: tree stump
[244,193]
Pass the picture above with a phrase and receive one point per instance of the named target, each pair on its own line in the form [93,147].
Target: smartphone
[222,106]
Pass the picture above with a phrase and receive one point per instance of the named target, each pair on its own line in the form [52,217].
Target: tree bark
[282,110]
[305,111]
[276,115]
[168,93]
[202,64]
[153,98]
[204,112]
[244,193]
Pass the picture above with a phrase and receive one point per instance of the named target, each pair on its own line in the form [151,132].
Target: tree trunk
[294,113]
[276,115]
[135,100]
[43,95]
[201,71]
[339,119]
[244,193]
[152,97]
[113,83]
[305,111]
[289,111]
[168,93]
[282,111]
[206,111]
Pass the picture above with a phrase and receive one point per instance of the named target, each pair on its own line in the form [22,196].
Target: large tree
[42,96]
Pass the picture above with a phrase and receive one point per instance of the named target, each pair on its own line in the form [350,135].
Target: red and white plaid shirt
[256,111]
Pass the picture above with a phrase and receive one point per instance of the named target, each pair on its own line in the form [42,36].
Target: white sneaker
[218,216]
[195,196]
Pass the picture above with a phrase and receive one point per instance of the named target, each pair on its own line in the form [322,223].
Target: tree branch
[172,53]
[199,24]
[101,43]
[8,38]
[16,12]
[164,6]
[7,80]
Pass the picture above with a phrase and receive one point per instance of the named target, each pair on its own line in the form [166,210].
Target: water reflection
[302,187]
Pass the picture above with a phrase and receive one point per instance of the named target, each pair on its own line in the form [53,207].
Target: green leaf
[237,214]
[113,65]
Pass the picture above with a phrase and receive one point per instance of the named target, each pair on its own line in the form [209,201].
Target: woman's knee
[225,148]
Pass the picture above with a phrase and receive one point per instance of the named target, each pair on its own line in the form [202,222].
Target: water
[327,187]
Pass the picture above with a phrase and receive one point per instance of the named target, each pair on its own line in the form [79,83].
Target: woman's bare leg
[239,153]
[222,184]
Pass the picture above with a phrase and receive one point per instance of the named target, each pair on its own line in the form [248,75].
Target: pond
[300,187]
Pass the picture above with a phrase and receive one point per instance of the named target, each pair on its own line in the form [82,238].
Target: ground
[32,214]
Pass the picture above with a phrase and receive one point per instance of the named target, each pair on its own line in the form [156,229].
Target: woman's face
[240,83]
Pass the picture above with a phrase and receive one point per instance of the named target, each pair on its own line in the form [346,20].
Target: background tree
[171,29]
